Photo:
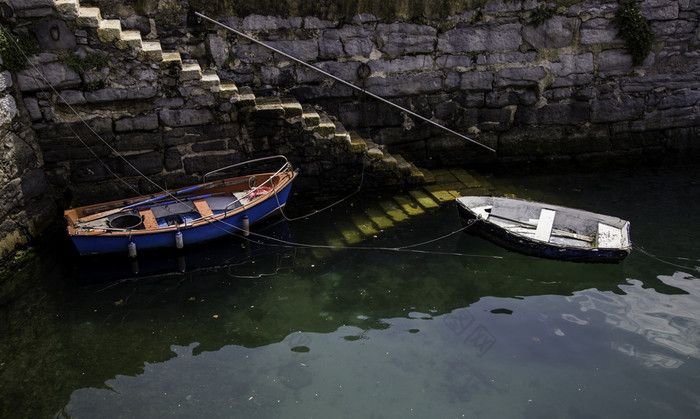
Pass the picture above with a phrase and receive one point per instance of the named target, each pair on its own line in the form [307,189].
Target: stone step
[88,17]
[357,143]
[151,51]
[228,90]
[292,109]
[364,225]
[310,118]
[341,134]
[109,30]
[190,71]
[440,194]
[402,164]
[130,39]
[393,211]
[246,97]
[408,205]
[171,59]
[373,150]
[349,232]
[211,81]
[325,130]
[379,218]
[418,175]
[67,9]
[269,107]
[423,199]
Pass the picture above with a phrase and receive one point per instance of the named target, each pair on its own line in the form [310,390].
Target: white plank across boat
[609,236]
[545,224]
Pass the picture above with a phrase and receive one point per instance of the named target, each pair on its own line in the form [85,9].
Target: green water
[461,329]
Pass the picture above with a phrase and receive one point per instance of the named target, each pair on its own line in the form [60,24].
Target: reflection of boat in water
[262,248]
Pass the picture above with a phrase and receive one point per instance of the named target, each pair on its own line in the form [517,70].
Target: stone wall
[26,207]
[565,89]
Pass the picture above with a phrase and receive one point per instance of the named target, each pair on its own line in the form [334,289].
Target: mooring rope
[658,259]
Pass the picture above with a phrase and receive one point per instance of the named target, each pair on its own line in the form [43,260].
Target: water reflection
[360,333]
[669,322]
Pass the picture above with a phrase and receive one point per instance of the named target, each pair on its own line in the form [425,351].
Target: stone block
[139,123]
[303,49]
[218,48]
[599,31]
[468,38]
[88,17]
[138,141]
[130,39]
[401,64]
[405,84]
[270,23]
[572,64]
[54,34]
[405,38]
[505,58]
[499,98]
[477,80]
[32,106]
[54,74]
[173,159]
[106,95]
[186,117]
[8,109]
[67,9]
[659,9]
[213,145]
[349,41]
[519,77]
[109,30]
[142,92]
[330,45]
[557,32]
[72,97]
[151,51]
[574,113]
[614,109]
[613,62]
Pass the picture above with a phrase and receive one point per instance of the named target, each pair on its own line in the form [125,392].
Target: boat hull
[115,243]
[515,242]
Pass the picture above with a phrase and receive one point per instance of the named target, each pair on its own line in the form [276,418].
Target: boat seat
[545,224]
[202,207]
[609,236]
[160,211]
[223,203]
[149,220]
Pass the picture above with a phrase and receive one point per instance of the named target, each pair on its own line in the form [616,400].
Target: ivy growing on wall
[542,14]
[635,30]
[16,48]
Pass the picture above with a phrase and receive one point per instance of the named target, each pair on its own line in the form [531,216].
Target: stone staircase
[442,187]
[324,128]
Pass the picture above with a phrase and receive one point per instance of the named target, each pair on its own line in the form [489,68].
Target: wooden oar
[118,210]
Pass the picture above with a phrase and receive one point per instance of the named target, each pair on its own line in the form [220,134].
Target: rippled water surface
[454,328]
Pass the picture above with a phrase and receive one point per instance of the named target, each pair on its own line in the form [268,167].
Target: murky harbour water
[454,328]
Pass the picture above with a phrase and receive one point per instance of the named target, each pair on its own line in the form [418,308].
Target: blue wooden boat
[545,230]
[181,217]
